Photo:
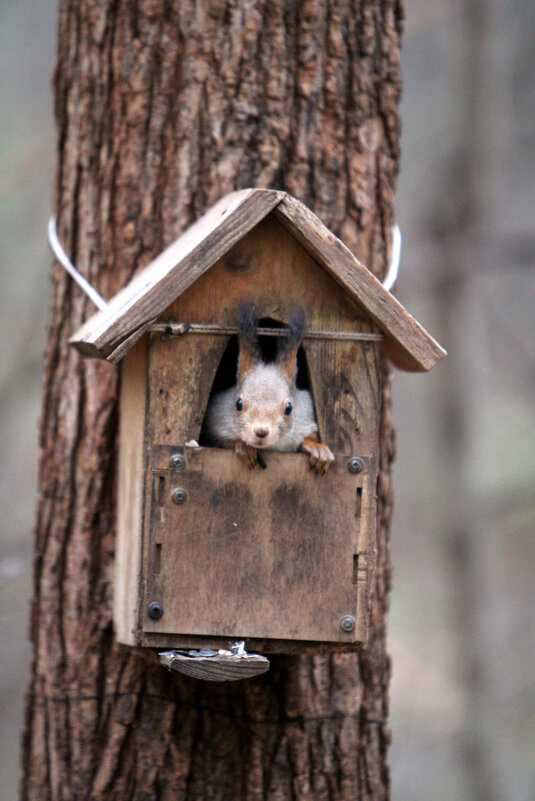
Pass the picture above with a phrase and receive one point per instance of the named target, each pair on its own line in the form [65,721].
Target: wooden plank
[345,383]
[131,310]
[365,561]
[216,668]
[262,554]
[180,380]
[408,344]
[130,494]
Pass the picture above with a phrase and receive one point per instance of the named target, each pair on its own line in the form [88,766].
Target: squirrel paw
[248,455]
[321,456]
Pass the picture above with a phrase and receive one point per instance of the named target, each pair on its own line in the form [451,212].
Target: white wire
[63,259]
[393,268]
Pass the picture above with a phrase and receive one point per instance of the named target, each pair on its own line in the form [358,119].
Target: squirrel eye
[288,409]
[239,404]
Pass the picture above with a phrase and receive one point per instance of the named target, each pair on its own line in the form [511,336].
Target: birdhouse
[209,550]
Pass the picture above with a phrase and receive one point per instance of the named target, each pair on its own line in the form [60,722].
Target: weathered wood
[110,332]
[345,383]
[216,668]
[130,492]
[127,315]
[408,344]
[263,554]
[179,381]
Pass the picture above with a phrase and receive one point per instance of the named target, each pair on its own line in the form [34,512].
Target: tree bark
[161,108]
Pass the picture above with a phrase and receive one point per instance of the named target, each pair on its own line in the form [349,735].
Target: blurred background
[462,623]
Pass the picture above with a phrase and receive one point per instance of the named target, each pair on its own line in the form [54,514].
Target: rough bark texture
[161,108]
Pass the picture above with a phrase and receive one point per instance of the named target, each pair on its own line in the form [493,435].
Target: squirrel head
[265,393]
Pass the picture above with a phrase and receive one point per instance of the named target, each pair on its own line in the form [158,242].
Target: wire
[171,329]
[63,259]
[393,268]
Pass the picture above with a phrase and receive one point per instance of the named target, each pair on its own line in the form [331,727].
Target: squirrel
[265,410]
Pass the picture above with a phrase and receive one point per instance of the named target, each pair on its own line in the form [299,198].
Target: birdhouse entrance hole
[226,373]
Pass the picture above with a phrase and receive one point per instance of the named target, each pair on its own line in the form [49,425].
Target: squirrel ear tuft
[247,322]
[289,345]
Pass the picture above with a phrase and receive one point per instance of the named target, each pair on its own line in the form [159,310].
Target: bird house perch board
[207,550]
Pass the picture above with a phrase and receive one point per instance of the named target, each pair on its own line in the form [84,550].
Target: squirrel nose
[261,432]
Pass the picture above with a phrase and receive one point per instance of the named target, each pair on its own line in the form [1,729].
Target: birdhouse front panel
[233,552]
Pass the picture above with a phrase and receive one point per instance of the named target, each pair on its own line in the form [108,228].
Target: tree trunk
[162,108]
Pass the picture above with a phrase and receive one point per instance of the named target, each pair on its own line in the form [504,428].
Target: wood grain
[130,494]
[216,668]
[264,554]
[408,344]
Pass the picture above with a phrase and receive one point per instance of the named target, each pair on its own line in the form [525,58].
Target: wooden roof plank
[407,343]
[129,313]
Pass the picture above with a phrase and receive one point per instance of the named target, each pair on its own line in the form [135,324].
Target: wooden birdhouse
[208,550]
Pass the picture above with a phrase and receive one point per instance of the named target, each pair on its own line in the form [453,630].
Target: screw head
[155,610]
[355,464]
[347,623]
[179,496]
[177,462]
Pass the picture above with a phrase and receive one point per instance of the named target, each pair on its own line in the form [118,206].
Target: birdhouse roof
[111,332]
